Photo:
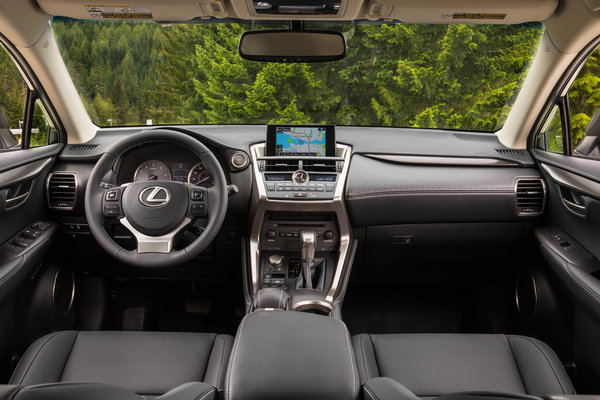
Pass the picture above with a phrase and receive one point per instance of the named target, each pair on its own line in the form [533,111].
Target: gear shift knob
[308,244]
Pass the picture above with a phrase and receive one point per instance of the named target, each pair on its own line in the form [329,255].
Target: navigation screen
[300,141]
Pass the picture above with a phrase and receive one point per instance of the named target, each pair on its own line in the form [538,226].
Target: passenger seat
[146,363]
[432,365]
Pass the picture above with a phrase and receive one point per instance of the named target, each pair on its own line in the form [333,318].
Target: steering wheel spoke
[154,244]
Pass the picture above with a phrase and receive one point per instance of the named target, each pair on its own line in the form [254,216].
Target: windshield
[424,76]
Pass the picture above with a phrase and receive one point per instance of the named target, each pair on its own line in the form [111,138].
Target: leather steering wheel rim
[95,192]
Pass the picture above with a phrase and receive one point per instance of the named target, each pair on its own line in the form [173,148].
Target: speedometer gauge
[152,170]
[200,176]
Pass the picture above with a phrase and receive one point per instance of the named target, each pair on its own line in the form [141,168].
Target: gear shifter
[308,257]
[313,269]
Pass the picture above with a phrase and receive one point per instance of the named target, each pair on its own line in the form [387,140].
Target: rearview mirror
[292,46]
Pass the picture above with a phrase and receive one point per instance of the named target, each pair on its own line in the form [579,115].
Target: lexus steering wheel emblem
[155,196]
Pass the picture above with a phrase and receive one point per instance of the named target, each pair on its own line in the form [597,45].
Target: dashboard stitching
[438,193]
[439,188]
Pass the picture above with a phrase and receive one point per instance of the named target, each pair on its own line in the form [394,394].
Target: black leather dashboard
[387,193]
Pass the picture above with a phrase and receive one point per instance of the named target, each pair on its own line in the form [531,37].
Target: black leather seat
[431,365]
[147,363]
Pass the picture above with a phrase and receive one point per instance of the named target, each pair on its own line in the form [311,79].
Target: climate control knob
[271,234]
[328,235]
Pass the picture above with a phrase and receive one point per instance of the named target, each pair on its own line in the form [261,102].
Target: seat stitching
[516,364]
[212,348]
[362,352]
[233,357]
[547,360]
[205,394]
[354,394]
[375,355]
[69,357]
[351,364]
[221,362]
[36,355]
[366,388]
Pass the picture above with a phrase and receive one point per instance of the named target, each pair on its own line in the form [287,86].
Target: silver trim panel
[23,172]
[318,305]
[545,195]
[245,163]
[454,161]
[154,244]
[16,200]
[62,315]
[261,205]
[48,189]
[573,181]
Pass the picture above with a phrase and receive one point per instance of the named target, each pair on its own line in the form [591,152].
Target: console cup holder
[319,307]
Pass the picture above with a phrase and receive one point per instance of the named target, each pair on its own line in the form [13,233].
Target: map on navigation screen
[300,141]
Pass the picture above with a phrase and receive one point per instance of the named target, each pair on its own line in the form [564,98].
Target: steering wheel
[155,211]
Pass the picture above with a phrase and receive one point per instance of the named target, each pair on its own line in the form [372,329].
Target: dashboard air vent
[319,165]
[82,147]
[61,190]
[531,195]
[282,165]
[509,152]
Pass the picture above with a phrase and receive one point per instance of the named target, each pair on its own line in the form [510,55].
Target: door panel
[570,244]
[22,204]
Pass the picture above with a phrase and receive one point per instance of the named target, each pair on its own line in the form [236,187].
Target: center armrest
[292,355]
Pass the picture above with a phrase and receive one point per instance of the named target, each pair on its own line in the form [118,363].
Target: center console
[301,239]
[265,363]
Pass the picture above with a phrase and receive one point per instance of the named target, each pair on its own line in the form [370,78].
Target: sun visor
[172,10]
[462,11]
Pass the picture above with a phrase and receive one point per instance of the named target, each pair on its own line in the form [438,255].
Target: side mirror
[292,46]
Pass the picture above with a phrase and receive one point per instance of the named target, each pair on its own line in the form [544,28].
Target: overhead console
[299,216]
[300,162]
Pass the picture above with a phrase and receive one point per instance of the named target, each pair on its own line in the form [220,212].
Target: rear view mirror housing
[292,46]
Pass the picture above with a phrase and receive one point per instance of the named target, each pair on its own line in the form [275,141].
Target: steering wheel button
[198,209]
[197,195]
[112,195]
[111,210]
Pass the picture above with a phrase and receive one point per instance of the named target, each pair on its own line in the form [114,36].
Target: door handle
[573,200]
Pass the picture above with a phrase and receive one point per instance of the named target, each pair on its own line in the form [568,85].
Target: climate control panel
[300,179]
[277,236]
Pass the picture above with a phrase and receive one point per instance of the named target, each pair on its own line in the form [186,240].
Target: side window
[584,109]
[21,126]
[43,131]
[551,137]
[13,96]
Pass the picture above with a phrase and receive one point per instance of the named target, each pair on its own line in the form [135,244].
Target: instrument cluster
[163,162]
[196,174]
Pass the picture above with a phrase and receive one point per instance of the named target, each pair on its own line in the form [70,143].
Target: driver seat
[147,363]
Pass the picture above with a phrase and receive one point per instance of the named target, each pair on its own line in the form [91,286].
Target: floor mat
[386,308]
[173,307]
